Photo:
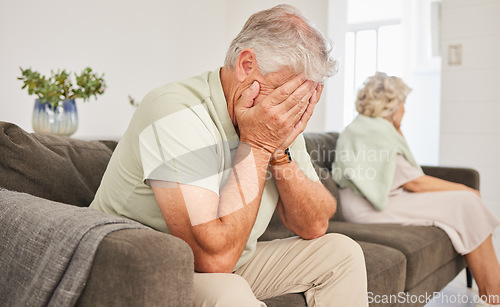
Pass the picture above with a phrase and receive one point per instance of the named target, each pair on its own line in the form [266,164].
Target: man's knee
[346,246]
[219,289]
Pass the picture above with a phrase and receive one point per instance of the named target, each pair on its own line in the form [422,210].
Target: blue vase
[62,120]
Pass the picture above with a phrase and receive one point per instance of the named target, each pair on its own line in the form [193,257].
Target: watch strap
[286,158]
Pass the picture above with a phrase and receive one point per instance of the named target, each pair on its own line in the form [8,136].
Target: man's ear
[246,64]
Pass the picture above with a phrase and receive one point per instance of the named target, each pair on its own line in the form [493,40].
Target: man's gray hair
[282,37]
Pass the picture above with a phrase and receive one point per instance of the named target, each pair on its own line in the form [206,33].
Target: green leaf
[60,85]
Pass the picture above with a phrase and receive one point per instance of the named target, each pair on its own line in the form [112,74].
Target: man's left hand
[301,125]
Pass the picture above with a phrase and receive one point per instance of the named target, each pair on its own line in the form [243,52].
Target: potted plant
[55,108]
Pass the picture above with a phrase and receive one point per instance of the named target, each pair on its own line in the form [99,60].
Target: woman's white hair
[282,37]
[381,95]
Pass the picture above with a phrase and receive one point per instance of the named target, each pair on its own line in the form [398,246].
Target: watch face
[287,151]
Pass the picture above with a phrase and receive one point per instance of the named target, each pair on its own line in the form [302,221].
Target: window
[374,42]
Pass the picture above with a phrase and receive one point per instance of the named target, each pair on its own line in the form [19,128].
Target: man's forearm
[239,203]
[307,205]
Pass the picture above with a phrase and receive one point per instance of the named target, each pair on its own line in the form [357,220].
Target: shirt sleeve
[301,157]
[405,172]
[182,147]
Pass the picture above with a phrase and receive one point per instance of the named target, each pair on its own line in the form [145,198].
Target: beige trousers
[330,270]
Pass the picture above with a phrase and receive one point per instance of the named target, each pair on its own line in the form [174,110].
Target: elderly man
[209,159]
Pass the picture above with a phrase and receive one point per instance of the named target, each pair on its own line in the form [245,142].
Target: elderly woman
[382,183]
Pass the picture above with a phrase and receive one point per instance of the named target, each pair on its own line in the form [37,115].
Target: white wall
[137,44]
[337,28]
[422,73]
[470,126]
[141,45]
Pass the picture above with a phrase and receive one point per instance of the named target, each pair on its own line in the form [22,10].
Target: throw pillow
[58,168]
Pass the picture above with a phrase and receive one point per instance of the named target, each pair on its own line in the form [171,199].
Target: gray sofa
[143,267]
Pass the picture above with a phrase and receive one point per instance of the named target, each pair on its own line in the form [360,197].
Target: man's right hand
[267,125]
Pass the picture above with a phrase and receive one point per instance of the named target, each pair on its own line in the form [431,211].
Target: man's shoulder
[192,90]
[178,98]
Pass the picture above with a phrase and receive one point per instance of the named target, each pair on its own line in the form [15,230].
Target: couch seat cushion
[287,300]
[426,248]
[385,269]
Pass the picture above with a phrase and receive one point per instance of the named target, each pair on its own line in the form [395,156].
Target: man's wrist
[281,157]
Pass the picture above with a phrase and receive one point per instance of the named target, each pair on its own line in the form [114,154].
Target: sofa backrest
[321,148]
[70,170]
[53,167]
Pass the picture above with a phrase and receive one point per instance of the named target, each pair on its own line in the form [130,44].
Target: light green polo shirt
[182,132]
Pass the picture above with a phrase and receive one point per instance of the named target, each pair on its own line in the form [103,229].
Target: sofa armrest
[140,267]
[467,176]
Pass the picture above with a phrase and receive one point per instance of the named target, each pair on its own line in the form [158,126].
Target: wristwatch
[286,158]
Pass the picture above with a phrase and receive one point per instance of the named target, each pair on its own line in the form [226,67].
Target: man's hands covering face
[304,114]
[274,123]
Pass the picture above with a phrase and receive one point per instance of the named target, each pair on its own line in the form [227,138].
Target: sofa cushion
[53,167]
[426,248]
[288,300]
[385,269]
